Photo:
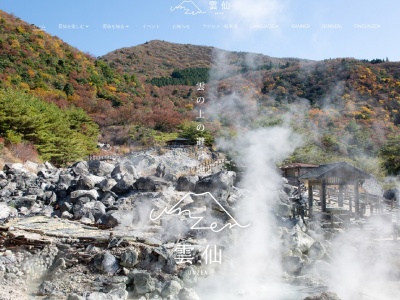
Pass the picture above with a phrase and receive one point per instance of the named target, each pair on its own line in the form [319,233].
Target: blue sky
[312,29]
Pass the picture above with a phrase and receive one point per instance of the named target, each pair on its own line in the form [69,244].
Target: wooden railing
[208,165]
[103,157]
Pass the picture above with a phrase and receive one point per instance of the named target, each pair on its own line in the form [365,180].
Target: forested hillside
[344,109]
[43,65]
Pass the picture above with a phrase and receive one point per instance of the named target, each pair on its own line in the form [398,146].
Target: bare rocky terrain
[84,232]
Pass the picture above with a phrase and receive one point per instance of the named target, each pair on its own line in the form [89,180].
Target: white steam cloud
[359,267]
[254,269]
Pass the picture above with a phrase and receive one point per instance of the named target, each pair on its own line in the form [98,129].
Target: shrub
[59,135]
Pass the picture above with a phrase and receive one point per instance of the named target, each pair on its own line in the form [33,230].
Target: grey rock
[160,183]
[92,194]
[14,168]
[171,289]
[283,197]
[284,210]
[100,168]
[306,280]
[50,197]
[65,206]
[5,211]
[187,183]
[292,264]
[58,264]
[21,184]
[297,239]
[49,166]
[10,276]
[3,183]
[125,167]
[189,276]
[80,168]
[170,177]
[93,209]
[108,201]
[160,171]
[106,263]
[324,296]
[67,215]
[316,251]
[99,209]
[36,208]
[107,184]
[27,201]
[145,184]
[65,179]
[82,200]
[75,297]
[118,217]
[50,175]
[8,190]
[24,211]
[120,294]
[101,296]
[120,279]
[86,220]
[142,282]
[46,288]
[88,182]
[124,184]
[113,287]
[288,189]
[219,184]
[129,258]
[188,294]
[38,192]
[144,162]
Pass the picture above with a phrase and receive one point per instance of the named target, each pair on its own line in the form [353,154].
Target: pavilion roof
[342,170]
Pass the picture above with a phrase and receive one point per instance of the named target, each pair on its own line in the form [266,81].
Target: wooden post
[323,196]
[350,205]
[398,213]
[364,210]
[310,200]
[356,201]
[340,196]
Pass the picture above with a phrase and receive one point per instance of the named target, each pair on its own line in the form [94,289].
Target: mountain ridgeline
[344,108]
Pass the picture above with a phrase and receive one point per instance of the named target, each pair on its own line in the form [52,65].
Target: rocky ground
[84,232]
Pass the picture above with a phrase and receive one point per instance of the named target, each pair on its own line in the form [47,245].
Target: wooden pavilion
[293,171]
[178,142]
[339,174]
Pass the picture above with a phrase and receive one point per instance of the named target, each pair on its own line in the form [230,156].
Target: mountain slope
[160,58]
[33,60]
[344,108]
[43,65]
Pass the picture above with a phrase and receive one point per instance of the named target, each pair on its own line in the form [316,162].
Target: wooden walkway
[376,212]
[209,165]
[104,157]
